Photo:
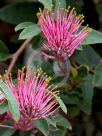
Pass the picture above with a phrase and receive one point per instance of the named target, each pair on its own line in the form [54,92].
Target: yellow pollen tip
[65,10]
[38,14]
[90,29]
[87,25]
[0,77]
[19,71]
[73,9]
[46,8]
[40,9]
[23,68]
[47,80]
[69,7]
[81,16]
[74,13]
[50,78]
[18,78]
[5,71]
[57,92]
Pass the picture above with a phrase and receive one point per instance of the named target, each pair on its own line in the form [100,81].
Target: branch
[16,55]
[61,68]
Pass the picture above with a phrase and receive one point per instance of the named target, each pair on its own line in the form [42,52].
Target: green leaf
[97,78]
[23,25]
[61,121]
[94,37]
[4,52]
[62,3]
[47,3]
[87,57]
[75,3]
[37,42]
[87,94]
[89,78]
[37,59]
[20,12]
[80,47]
[74,111]
[3,47]
[7,131]
[30,31]
[62,105]
[59,132]
[3,107]
[47,67]
[69,99]
[42,125]
[98,9]
[12,102]
[2,35]
[51,120]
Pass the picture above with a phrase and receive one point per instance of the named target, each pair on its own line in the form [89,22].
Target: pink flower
[36,98]
[63,34]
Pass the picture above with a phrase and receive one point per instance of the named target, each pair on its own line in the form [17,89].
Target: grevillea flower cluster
[63,33]
[36,98]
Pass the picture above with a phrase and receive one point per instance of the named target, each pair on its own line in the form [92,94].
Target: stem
[16,55]
[61,68]
[65,71]
[6,126]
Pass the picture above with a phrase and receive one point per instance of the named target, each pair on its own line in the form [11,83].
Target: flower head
[63,34]
[36,98]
